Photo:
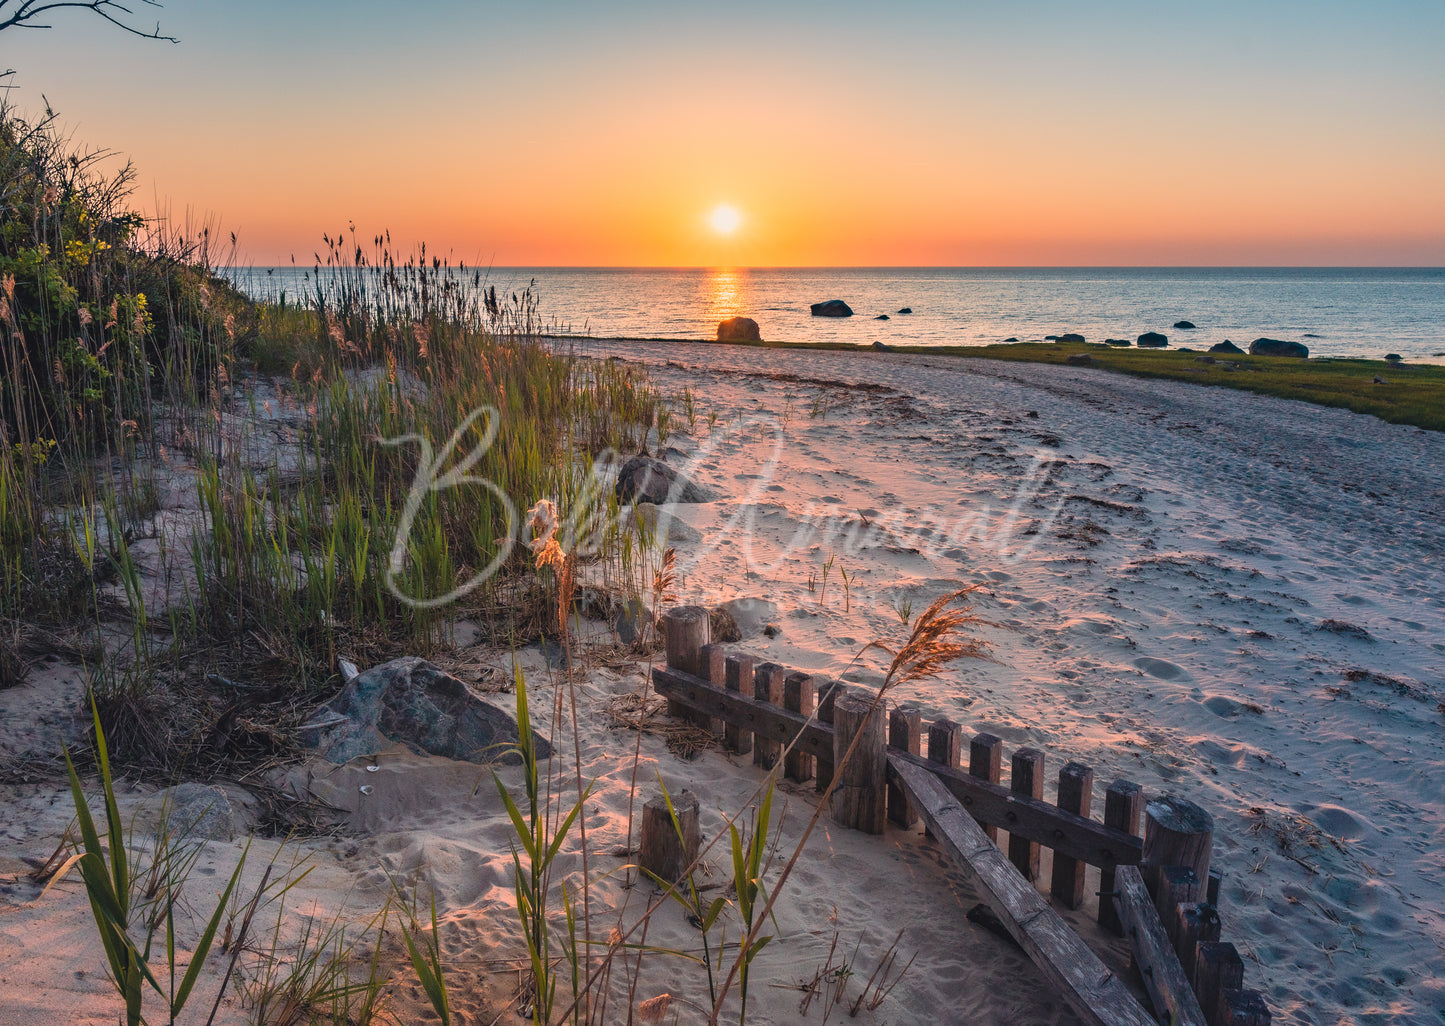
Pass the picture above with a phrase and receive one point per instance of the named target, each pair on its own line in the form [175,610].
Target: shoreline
[1415,396]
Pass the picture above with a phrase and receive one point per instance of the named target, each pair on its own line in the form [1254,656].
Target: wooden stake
[985,761]
[1176,833]
[799,694]
[660,851]
[828,692]
[1195,923]
[1123,805]
[860,801]
[1026,779]
[768,687]
[1245,1008]
[738,671]
[1217,968]
[685,631]
[905,732]
[1076,785]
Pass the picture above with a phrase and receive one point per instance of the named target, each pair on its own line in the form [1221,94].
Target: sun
[725,219]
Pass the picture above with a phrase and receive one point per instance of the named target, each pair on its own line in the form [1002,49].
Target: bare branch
[24,15]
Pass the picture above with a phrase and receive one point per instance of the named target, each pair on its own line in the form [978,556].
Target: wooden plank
[1169,989]
[1096,995]
[993,804]
[828,692]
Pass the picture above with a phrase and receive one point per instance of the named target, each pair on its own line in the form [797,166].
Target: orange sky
[943,135]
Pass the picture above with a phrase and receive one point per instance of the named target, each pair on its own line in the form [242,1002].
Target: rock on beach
[1278,347]
[1152,340]
[739,329]
[644,479]
[425,708]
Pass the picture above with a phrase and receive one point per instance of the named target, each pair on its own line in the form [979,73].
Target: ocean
[1336,311]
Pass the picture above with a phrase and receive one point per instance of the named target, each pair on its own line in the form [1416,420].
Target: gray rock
[1080,359]
[1184,325]
[428,710]
[749,615]
[204,812]
[881,317]
[1071,337]
[882,346]
[1278,347]
[1011,338]
[1051,338]
[722,626]
[1152,340]
[1226,347]
[1393,357]
[906,310]
[832,308]
[1117,342]
[644,479]
[739,329]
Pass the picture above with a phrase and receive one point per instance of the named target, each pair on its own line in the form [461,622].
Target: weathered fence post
[1217,969]
[660,851]
[1195,924]
[985,761]
[1076,785]
[1176,833]
[1244,1008]
[799,694]
[1178,886]
[945,744]
[860,799]
[768,687]
[685,631]
[712,667]
[905,732]
[1026,779]
[828,693]
[738,676]
[1123,805]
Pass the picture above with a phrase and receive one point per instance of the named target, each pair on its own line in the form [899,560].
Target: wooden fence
[1156,888]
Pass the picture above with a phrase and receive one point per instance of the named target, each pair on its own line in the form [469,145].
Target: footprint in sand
[1161,668]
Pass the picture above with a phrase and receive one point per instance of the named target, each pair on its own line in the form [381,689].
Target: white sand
[1157,558]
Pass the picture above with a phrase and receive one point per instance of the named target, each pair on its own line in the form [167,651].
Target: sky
[911,133]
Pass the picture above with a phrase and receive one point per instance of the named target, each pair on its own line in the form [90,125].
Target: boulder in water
[832,308]
[1152,340]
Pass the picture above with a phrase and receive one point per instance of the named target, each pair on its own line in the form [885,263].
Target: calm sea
[1346,311]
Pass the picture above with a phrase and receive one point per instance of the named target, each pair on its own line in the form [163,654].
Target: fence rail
[1158,890]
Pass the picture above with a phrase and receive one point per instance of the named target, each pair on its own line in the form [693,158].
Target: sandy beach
[1231,597]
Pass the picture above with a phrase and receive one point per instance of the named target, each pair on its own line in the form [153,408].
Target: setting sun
[726,219]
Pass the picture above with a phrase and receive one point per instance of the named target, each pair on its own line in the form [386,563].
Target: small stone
[906,310]
[881,317]
[1184,325]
